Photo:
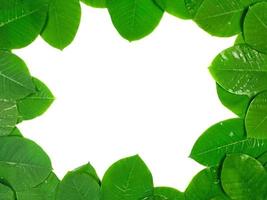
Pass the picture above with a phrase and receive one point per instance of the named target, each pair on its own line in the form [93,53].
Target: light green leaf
[225,138]
[221,17]
[63,22]
[238,104]
[37,103]
[15,79]
[255,27]
[127,179]
[134,19]
[44,191]
[6,193]
[168,193]
[241,70]
[205,186]
[23,164]
[95,3]
[244,177]
[256,118]
[174,7]
[21,22]
[8,116]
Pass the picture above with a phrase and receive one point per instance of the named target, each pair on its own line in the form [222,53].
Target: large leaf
[78,185]
[63,22]
[134,19]
[127,179]
[23,164]
[15,79]
[96,3]
[37,103]
[238,104]
[44,191]
[168,193]
[8,116]
[6,193]
[256,119]
[255,27]
[241,70]
[221,17]
[244,177]
[175,7]
[225,138]
[21,22]
[205,186]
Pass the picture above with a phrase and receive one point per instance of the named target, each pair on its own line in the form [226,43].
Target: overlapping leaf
[8,116]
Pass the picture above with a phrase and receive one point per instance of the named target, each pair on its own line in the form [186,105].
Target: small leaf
[77,185]
[241,70]
[15,79]
[37,103]
[225,138]
[23,164]
[21,22]
[255,27]
[243,177]
[90,170]
[174,7]
[256,119]
[95,3]
[205,186]
[6,193]
[8,116]
[127,179]
[44,191]
[168,193]
[16,132]
[134,19]
[63,22]
[238,104]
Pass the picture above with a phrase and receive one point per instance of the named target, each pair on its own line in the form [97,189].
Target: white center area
[115,99]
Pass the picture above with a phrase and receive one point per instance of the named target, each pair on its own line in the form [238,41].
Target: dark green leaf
[225,138]
[8,116]
[37,103]
[241,70]
[166,193]
[95,3]
[244,177]
[134,19]
[6,193]
[127,179]
[63,22]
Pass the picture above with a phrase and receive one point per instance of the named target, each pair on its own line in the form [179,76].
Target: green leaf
[37,103]
[256,119]
[16,132]
[205,186]
[44,191]
[21,22]
[127,179]
[243,177]
[193,6]
[95,3]
[221,17]
[240,39]
[168,193]
[174,7]
[134,19]
[6,193]
[238,104]
[225,138]
[241,70]
[263,159]
[23,164]
[90,170]
[255,27]
[77,185]
[8,116]
[15,79]
[63,22]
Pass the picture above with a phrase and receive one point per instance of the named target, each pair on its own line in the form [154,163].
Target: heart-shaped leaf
[225,138]
[6,193]
[241,70]
[96,3]
[167,193]
[37,103]
[134,19]
[256,118]
[255,27]
[8,116]
[15,79]
[243,177]
[127,179]
[23,164]
[63,22]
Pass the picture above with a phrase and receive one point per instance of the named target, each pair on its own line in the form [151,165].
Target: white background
[115,99]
